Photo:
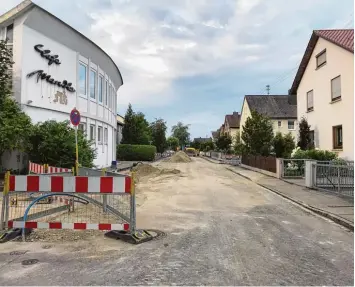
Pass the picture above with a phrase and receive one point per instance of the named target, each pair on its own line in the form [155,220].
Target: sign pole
[76,152]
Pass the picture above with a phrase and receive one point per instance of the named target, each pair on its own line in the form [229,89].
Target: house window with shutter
[321,58]
[336,88]
[310,101]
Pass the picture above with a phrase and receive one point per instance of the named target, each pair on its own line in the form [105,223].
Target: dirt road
[221,230]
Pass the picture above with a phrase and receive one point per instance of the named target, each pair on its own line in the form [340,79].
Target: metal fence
[267,163]
[334,178]
[59,202]
[293,168]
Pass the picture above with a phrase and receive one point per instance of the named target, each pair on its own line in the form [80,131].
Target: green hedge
[315,154]
[136,152]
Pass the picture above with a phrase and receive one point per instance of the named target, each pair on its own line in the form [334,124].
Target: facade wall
[43,101]
[326,113]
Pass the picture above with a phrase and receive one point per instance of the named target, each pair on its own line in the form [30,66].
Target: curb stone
[321,212]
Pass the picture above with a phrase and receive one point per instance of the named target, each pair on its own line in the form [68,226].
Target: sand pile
[145,170]
[180,156]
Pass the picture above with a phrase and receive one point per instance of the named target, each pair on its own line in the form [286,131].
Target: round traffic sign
[75,117]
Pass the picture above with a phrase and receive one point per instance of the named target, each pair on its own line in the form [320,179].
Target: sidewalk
[338,209]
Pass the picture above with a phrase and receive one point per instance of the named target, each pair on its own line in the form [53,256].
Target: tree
[158,131]
[223,142]
[136,128]
[283,145]
[257,135]
[304,135]
[15,125]
[172,143]
[54,143]
[181,132]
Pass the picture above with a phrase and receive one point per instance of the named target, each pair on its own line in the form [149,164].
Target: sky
[194,60]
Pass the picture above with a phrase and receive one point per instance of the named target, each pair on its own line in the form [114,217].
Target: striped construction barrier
[52,169]
[79,184]
[36,168]
[60,225]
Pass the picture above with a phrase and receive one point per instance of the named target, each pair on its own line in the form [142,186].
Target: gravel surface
[221,230]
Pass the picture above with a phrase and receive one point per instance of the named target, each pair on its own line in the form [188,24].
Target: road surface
[221,230]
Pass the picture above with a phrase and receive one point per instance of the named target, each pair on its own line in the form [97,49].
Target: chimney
[235,113]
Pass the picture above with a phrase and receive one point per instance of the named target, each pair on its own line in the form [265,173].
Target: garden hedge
[136,152]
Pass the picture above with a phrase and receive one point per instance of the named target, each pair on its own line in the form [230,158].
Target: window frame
[105,135]
[319,65]
[331,89]
[279,124]
[90,82]
[309,109]
[337,145]
[93,134]
[81,64]
[101,88]
[82,125]
[312,137]
[106,92]
[99,135]
[12,33]
[288,125]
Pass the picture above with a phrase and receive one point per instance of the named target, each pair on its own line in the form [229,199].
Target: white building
[56,69]
[324,85]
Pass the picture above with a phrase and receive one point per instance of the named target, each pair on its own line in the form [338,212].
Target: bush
[316,154]
[136,152]
[283,145]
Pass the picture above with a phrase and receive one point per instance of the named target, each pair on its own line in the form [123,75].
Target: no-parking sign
[75,117]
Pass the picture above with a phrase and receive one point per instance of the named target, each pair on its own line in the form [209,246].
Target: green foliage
[207,146]
[53,143]
[172,142]
[136,152]
[283,145]
[15,126]
[223,142]
[181,132]
[158,131]
[257,135]
[304,137]
[136,128]
[315,154]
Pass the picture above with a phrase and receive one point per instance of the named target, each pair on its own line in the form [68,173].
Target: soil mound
[147,170]
[180,156]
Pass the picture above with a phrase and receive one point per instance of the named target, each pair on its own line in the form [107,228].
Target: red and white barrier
[52,169]
[80,184]
[36,168]
[60,225]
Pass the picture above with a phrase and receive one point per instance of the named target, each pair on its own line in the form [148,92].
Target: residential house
[281,109]
[120,124]
[324,85]
[221,130]
[231,125]
[215,135]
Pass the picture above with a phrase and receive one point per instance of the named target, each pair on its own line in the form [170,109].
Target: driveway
[221,230]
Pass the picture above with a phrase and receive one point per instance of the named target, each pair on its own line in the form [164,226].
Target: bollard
[5,201]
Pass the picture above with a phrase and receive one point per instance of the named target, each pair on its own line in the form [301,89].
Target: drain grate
[18,252]
[30,261]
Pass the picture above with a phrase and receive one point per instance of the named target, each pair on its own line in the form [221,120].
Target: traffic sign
[75,117]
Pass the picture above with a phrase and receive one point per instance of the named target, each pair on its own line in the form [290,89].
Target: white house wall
[326,114]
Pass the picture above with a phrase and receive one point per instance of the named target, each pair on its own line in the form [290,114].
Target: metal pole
[338,179]
[132,225]
[76,152]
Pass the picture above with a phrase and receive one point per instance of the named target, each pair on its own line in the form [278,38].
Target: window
[321,58]
[311,136]
[106,93]
[92,84]
[110,98]
[113,99]
[10,33]
[279,124]
[81,127]
[92,132]
[310,101]
[106,136]
[82,78]
[338,137]
[291,125]
[101,88]
[336,88]
[99,135]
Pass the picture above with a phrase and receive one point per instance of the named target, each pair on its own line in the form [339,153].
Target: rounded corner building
[55,69]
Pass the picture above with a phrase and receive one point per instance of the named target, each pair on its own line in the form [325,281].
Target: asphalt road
[221,230]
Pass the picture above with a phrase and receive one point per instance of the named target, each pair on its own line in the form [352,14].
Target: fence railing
[334,178]
[293,168]
[267,163]
[63,202]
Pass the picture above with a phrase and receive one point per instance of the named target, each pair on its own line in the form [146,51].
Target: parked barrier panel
[102,203]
